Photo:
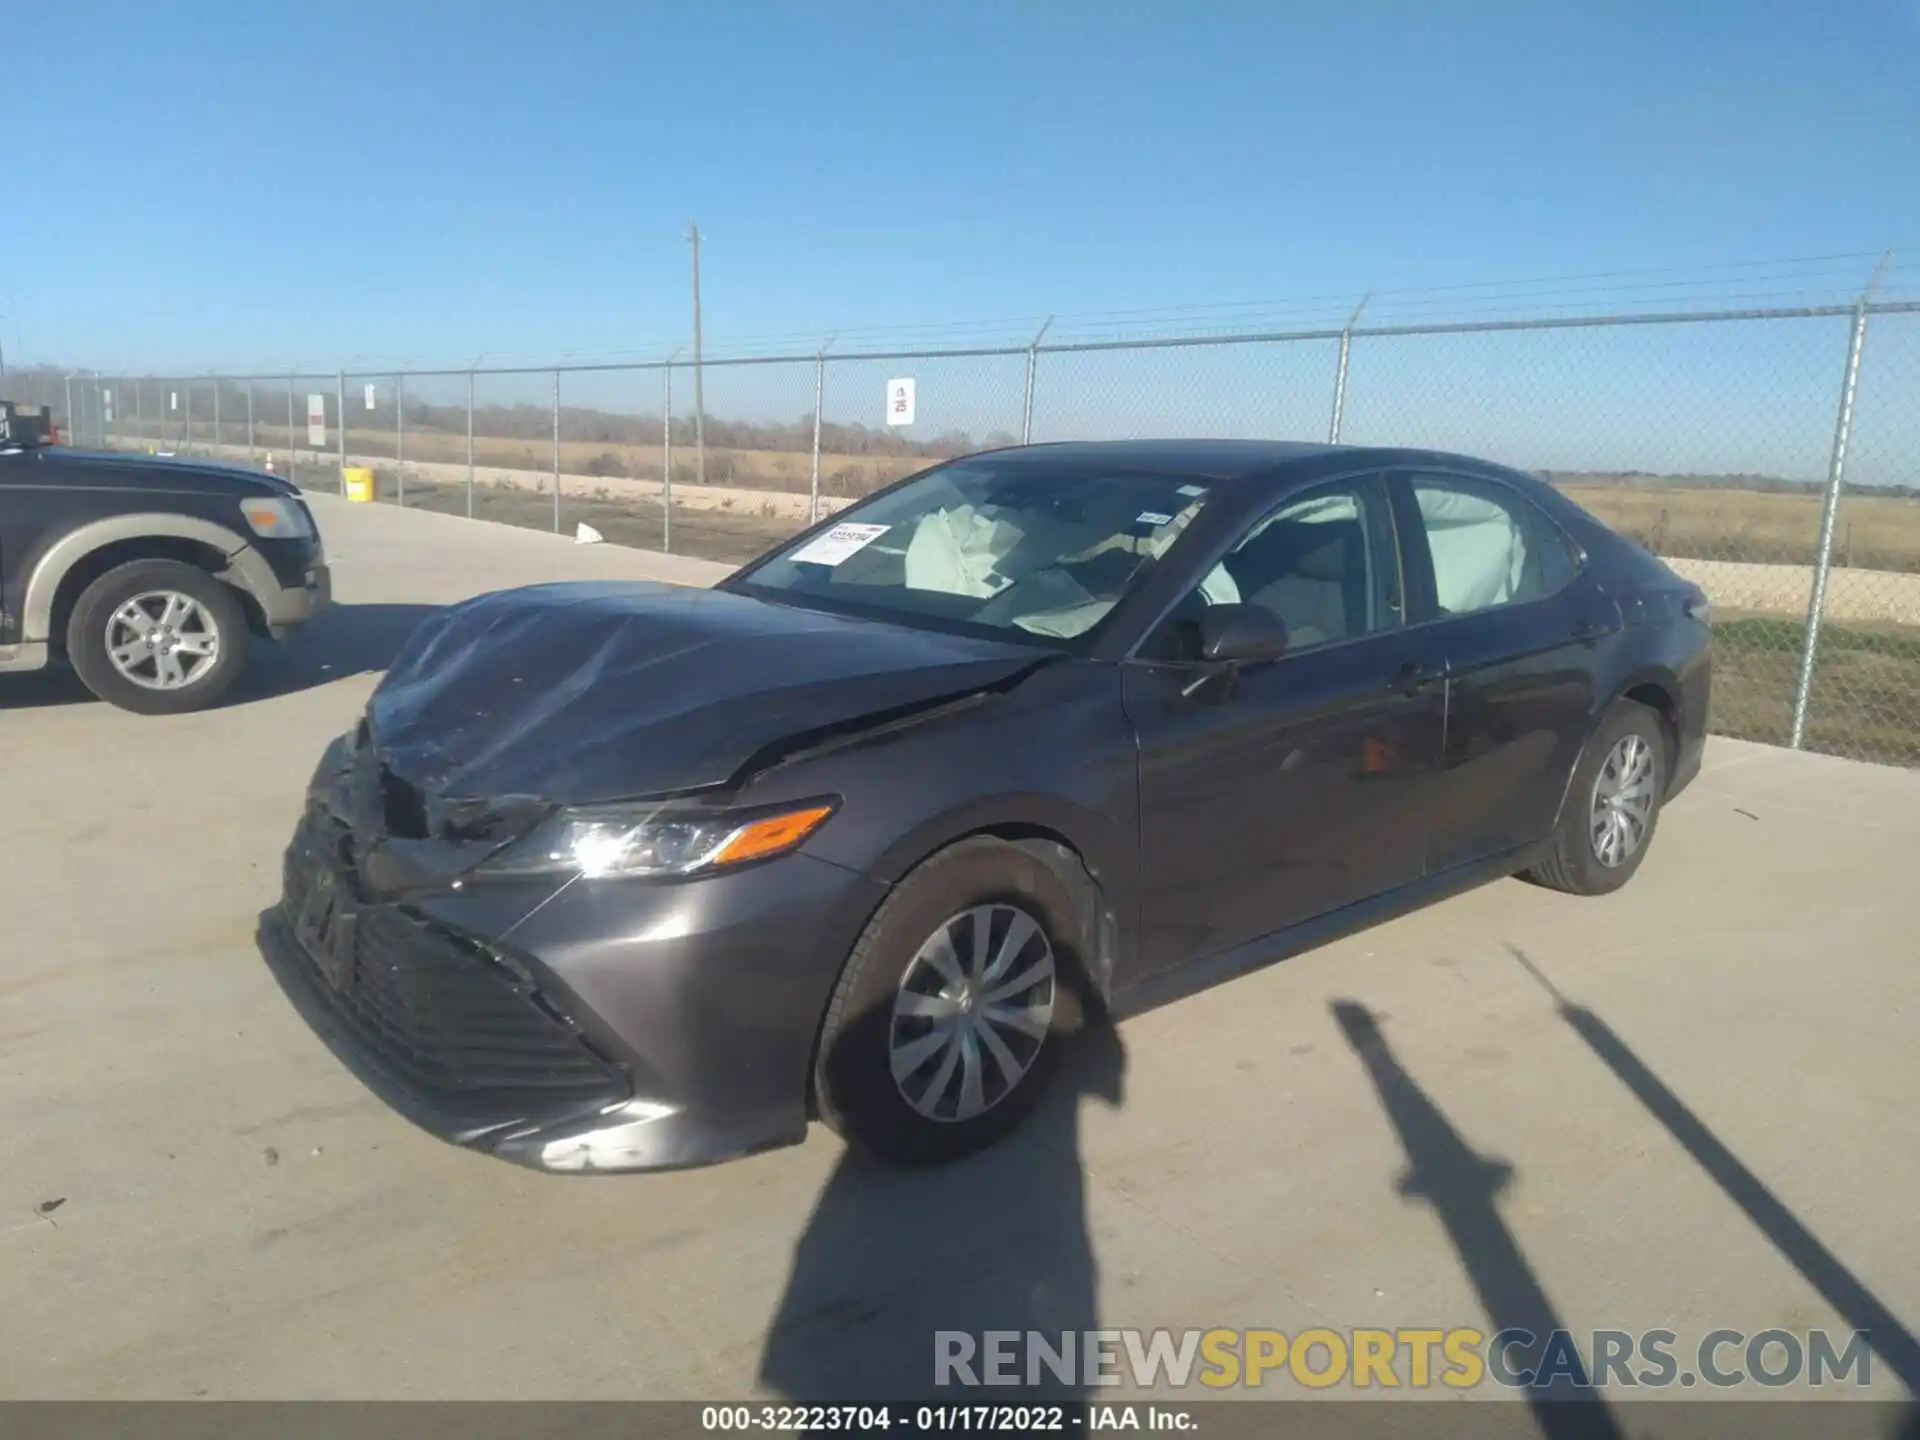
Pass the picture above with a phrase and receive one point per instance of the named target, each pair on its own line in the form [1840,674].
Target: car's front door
[1517,618]
[1296,786]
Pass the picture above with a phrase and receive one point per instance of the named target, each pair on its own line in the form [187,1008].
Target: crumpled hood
[592,691]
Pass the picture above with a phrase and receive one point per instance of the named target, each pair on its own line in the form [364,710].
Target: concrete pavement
[1689,1105]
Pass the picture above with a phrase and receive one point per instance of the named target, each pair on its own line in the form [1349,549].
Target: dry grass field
[1866,695]
[1871,532]
[786,471]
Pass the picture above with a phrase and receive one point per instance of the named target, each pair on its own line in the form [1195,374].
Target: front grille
[446,1018]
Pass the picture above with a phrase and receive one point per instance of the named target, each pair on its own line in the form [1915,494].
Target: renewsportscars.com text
[1416,1359]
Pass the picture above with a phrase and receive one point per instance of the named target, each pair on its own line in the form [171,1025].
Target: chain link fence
[1772,456]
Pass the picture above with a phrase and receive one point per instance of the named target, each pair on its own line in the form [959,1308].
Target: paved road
[1717,1129]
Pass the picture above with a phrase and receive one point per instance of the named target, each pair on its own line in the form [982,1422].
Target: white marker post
[900,402]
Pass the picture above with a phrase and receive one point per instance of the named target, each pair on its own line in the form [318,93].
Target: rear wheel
[954,1007]
[157,637]
[1612,806]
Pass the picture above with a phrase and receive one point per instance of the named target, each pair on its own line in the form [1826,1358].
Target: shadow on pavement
[341,641]
[42,689]
[1891,1340]
[1461,1186]
[995,1242]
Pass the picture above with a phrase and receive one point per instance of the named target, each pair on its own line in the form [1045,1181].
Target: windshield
[989,546]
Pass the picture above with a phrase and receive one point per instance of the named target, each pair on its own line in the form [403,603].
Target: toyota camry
[632,876]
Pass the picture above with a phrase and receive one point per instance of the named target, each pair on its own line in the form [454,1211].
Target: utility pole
[699,393]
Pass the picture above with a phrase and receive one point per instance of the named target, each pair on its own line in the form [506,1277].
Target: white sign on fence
[317,421]
[106,403]
[900,402]
[369,395]
[173,400]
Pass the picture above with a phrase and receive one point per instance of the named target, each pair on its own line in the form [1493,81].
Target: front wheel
[954,1007]
[157,637]
[1611,808]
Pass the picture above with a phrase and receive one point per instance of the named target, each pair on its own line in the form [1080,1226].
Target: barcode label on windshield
[836,543]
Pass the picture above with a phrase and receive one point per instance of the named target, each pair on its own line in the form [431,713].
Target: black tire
[1574,864]
[93,615]
[854,1087]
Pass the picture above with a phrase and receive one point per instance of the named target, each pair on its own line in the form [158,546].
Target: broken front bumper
[617,1026]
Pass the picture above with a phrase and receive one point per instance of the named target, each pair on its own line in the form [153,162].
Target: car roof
[1227,460]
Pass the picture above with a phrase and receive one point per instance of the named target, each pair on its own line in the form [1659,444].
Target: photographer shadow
[999,1241]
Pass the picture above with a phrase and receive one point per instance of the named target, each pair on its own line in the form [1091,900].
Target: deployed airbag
[954,552]
[1479,553]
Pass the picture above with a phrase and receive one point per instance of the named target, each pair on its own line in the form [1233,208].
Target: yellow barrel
[359,484]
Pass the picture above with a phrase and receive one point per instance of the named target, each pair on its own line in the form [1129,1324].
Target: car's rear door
[1517,616]
[1299,786]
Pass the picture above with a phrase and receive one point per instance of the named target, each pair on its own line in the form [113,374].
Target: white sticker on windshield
[1190,491]
[1152,517]
[837,542]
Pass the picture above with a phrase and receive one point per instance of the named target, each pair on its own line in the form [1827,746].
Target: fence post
[819,396]
[340,416]
[186,418]
[666,460]
[250,446]
[1823,561]
[556,452]
[1026,398]
[470,444]
[400,438]
[1340,373]
[216,417]
[73,435]
[139,414]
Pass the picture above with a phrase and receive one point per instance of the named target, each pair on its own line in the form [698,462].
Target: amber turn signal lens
[760,838]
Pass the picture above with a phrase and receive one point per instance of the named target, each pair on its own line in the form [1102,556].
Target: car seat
[1312,574]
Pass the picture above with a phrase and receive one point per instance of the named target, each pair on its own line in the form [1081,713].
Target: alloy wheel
[162,640]
[1623,799]
[972,1012]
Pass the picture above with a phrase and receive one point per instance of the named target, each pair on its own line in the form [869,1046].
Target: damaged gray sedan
[628,877]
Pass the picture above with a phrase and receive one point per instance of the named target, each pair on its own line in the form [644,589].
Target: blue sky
[196,184]
[200,186]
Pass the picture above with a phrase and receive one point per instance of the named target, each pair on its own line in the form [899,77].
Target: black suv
[146,575]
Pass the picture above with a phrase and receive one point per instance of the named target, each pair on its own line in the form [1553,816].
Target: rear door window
[1490,546]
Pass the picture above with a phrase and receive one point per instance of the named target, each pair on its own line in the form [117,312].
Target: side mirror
[1241,635]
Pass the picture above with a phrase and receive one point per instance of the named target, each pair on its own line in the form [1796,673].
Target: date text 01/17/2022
[942,1419]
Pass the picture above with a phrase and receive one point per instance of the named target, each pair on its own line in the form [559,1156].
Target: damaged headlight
[657,840]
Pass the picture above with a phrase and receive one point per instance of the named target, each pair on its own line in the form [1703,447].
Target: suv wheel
[954,1007]
[157,637]
[1608,819]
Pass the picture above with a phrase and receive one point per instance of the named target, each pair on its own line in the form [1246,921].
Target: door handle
[1414,674]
